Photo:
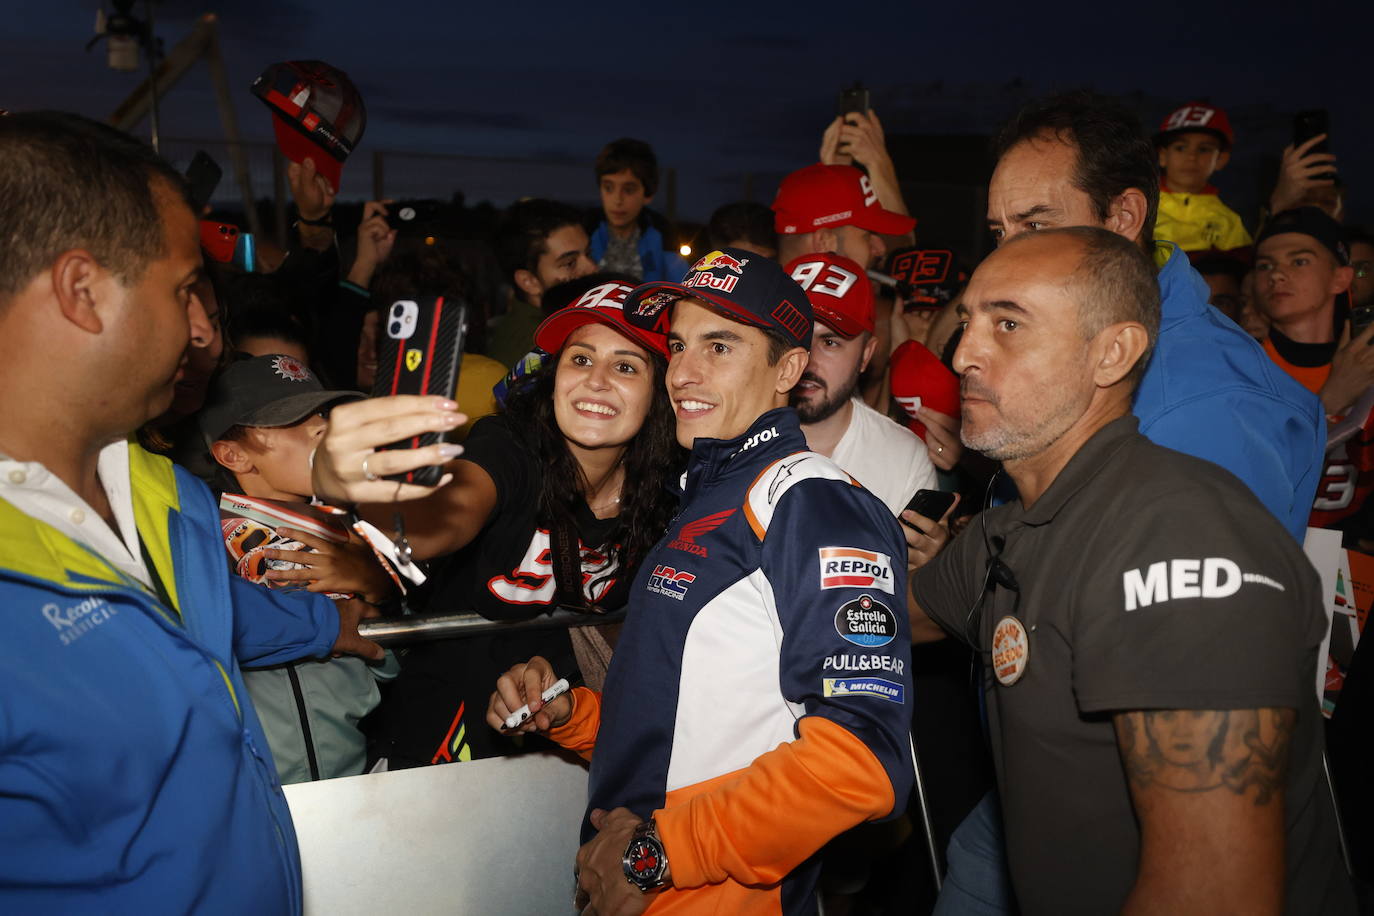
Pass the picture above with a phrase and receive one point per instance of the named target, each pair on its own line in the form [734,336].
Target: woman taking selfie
[553,501]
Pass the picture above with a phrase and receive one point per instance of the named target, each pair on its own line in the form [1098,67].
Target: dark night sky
[727,89]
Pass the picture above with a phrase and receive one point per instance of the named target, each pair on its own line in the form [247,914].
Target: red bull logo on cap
[719,260]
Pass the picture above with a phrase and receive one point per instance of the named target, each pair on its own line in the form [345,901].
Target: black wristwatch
[645,862]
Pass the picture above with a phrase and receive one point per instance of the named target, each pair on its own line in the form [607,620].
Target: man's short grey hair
[1114,281]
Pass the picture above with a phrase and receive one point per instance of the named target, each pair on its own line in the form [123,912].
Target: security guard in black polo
[1148,629]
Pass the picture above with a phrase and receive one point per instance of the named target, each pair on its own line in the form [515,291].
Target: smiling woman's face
[603,388]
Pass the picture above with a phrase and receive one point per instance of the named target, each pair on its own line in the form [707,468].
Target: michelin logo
[864,686]
[1169,580]
[76,621]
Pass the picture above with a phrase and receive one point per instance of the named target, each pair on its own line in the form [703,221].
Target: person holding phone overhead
[543,478]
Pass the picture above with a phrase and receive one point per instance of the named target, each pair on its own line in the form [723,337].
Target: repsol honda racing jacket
[757,702]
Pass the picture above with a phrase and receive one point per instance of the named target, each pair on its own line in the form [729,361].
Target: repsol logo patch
[1170,580]
[850,567]
[866,622]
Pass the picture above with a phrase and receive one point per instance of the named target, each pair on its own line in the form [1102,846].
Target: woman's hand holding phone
[349,466]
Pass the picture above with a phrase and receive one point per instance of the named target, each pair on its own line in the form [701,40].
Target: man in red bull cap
[886,458]
[757,709]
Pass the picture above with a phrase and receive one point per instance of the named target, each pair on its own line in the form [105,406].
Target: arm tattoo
[1198,750]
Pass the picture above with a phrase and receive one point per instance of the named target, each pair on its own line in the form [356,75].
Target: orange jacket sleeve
[578,734]
[756,825]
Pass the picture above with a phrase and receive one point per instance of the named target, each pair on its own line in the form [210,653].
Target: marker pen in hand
[521,715]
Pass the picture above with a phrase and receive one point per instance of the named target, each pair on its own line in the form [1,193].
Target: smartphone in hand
[420,352]
[853,100]
[931,504]
[1309,124]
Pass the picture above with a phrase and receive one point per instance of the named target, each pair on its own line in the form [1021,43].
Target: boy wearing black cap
[1302,274]
[756,702]
[262,420]
[1194,143]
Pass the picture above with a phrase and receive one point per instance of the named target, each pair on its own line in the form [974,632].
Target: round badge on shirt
[1010,651]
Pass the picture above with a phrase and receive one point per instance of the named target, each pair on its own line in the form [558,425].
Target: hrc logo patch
[670,582]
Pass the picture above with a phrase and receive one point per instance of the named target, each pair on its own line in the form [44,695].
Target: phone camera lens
[395,328]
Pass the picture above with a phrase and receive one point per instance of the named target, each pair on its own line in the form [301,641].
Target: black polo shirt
[1146,579]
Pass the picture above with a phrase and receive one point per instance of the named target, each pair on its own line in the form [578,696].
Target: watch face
[644,862]
[644,858]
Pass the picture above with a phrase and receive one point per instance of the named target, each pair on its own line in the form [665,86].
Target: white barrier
[493,837]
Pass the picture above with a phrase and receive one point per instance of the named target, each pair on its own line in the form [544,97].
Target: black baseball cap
[272,390]
[1310,221]
[738,284]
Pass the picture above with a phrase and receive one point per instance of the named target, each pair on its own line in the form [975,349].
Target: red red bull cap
[738,284]
[838,288]
[603,304]
[317,113]
[825,196]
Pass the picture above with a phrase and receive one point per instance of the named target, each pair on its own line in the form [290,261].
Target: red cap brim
[297,147]
[883,222]
[554,332]
[844,325]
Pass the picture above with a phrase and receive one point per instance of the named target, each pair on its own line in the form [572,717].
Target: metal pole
[225,102]
[406,630]
[150,45]
[279,194]
[1336,807]
[926,821]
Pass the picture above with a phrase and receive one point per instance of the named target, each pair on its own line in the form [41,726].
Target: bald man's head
[1114,281]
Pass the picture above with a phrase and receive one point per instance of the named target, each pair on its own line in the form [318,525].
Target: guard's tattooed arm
[1207,786]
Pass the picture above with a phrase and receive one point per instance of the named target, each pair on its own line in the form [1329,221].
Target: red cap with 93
[603,304]
[838,288]
[825,196]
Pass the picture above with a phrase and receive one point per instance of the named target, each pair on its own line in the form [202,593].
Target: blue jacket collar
[777,432]
[1183,293]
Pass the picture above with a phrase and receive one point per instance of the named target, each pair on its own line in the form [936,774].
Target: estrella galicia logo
[866,622]
[670,582]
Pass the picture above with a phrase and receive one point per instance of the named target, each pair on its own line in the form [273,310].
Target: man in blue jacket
[1209,391]
[134,776]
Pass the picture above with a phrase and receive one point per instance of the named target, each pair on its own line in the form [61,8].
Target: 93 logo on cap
[866,622]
